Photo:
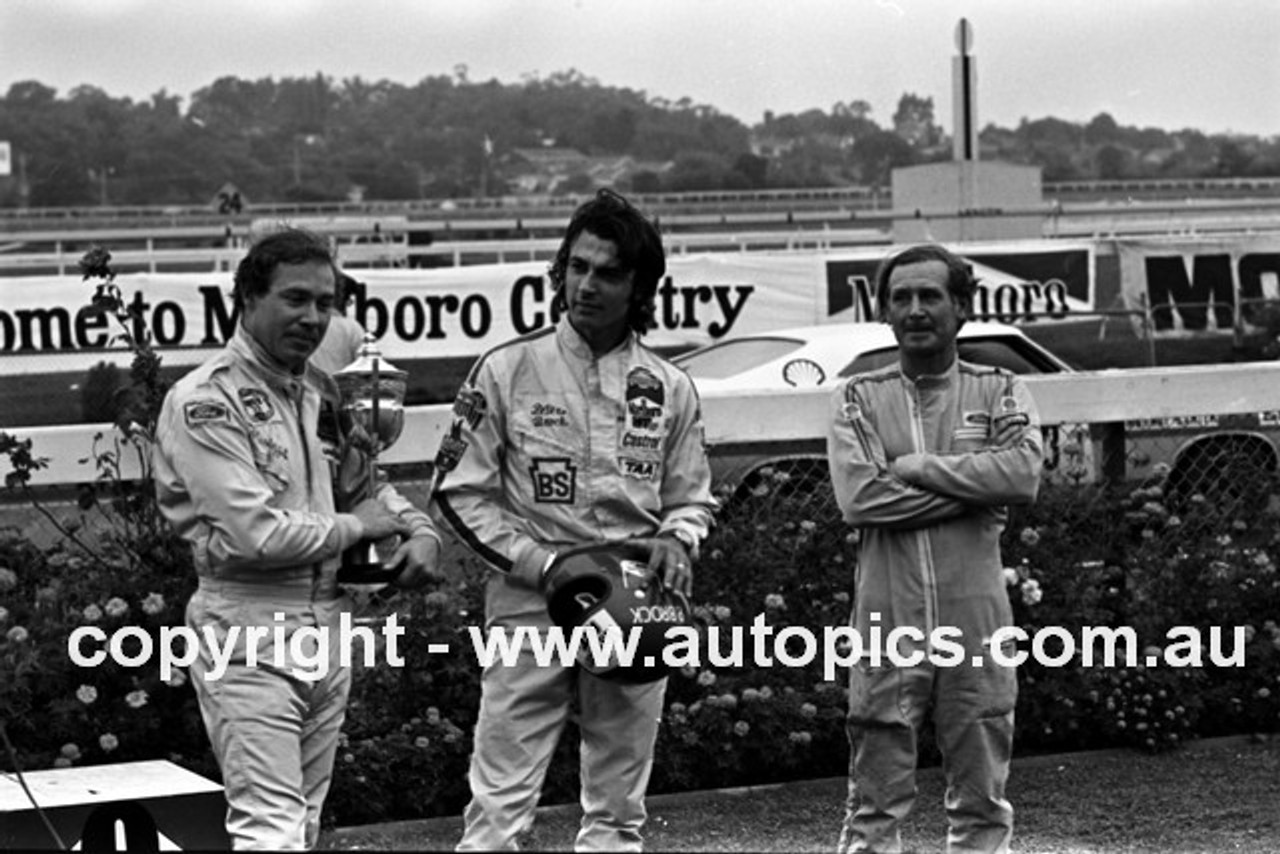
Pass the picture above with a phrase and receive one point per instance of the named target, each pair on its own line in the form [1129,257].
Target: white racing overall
[243,474]
[913,467]
[553,447]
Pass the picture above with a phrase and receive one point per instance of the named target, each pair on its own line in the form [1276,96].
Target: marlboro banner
[1189,286]
[464,311]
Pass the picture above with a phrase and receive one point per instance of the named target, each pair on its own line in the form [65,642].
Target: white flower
[1010,576]
[87,694]
[136,699]
[117,607]
[1030,537]
[706,678]
[1031,592]
[92,613]
[422,742]
[8,579]
[153,604]
[801,737]
[722,613]
[808,710]
[808,526]
[775,602]
[70,751]
[4,614]
[741,728]
[17,634]
[108,742]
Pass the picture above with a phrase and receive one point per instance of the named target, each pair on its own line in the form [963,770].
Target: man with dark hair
[251,468]
[570,435]
[925,455]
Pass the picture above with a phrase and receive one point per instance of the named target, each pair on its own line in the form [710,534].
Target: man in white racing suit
[924,457]
[570,435]
[248,449]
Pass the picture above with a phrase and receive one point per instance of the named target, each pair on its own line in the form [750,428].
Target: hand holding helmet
[610,587]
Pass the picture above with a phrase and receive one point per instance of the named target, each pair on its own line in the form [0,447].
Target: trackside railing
[1110,402]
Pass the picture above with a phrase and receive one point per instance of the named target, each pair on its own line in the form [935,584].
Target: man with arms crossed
[569,435]
[924,456]
[249,448]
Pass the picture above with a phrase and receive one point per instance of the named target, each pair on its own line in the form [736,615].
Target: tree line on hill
[314,139]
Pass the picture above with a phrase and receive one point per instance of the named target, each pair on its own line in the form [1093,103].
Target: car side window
[996,354]
[729,358]
[869,361]
[980,351]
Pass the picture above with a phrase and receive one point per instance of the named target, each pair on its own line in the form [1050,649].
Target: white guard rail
[1084,398]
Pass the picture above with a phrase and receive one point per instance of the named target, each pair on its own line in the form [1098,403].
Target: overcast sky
[1213,65]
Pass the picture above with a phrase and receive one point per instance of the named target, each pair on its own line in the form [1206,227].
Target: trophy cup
[372,392]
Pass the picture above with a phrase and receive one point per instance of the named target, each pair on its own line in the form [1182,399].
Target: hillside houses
[554,169]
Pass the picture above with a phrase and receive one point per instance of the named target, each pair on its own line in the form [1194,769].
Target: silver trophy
[373,393]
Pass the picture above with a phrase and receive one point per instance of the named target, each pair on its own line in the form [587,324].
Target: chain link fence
[1215,470]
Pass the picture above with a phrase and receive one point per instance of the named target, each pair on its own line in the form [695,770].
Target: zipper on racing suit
[924,545]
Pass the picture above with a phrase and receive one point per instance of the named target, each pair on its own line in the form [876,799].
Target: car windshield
[1014,354]
[734,357]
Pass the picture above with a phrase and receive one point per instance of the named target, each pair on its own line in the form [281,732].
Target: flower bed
[1079,557]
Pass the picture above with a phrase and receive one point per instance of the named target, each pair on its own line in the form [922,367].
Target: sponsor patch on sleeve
[470,406]
[205,412]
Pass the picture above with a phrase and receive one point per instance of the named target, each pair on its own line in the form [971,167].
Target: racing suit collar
[244,346]
[572,341]
[932,381]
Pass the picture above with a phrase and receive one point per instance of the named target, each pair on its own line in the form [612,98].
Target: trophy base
[363,563]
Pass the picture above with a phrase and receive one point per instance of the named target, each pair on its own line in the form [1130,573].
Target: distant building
[546,170]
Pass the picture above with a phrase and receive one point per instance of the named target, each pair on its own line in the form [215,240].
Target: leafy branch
[137,524]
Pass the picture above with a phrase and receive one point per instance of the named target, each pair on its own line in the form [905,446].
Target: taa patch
[205,412]
[257,404]
[555,480]
[638,469]
[470,406]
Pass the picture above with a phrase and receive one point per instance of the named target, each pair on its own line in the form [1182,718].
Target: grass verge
[1218,795]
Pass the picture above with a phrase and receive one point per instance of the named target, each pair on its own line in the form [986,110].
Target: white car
[1210,455]
[808,356]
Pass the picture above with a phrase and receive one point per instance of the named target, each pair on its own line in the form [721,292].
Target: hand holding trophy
[373,393]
